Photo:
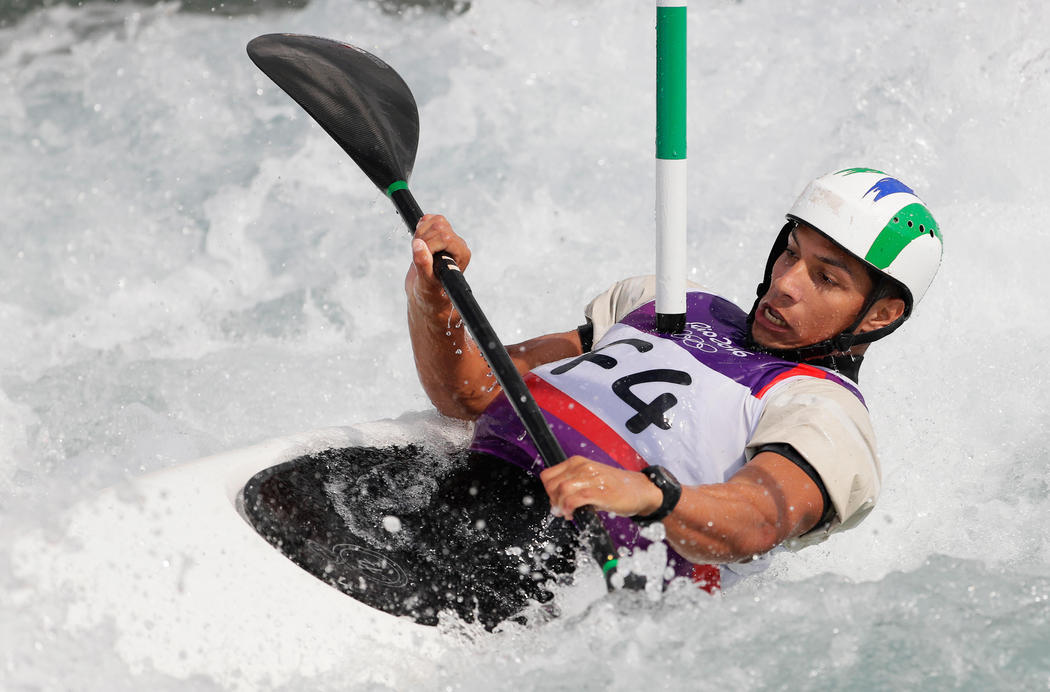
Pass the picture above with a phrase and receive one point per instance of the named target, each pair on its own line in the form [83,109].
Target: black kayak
[414,533]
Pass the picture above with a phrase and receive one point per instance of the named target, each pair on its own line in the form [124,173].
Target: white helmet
[878,219]
[882,222]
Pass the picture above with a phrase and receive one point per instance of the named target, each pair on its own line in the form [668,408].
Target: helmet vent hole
[896,219]
[910,224]
[922,229]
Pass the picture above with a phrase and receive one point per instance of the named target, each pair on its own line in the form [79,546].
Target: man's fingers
[423,259]
[434,234]
[576,499]
[572,484]
[578,481]
[437,233]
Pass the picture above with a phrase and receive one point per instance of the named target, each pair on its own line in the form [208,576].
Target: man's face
[815,292]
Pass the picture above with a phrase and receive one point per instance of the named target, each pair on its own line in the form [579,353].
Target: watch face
[668,485]
[662,477]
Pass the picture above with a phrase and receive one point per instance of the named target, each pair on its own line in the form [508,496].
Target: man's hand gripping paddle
[369,110]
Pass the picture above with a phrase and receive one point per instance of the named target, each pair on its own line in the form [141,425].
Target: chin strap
[832,353]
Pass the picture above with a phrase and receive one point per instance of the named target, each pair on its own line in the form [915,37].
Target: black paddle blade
[357,98]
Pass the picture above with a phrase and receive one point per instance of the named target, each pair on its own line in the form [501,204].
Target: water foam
[190,266]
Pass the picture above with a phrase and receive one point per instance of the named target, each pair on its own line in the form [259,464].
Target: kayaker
[745,432]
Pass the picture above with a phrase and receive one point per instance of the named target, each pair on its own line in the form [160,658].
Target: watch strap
[669,486]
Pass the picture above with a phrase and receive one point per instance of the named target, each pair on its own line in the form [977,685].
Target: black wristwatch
[669,486]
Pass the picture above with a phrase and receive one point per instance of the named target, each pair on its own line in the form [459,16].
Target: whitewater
[189,265]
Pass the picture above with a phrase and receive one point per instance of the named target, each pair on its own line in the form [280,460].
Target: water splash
[189,265]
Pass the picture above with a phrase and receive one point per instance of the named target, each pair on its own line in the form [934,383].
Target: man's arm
[451,368]
[765,503]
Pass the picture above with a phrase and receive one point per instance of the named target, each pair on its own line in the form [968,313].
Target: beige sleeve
[619,300]
[831,429]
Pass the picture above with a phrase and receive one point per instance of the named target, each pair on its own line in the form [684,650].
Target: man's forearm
[764,504]
[715,523]
[451,369]
[767,501]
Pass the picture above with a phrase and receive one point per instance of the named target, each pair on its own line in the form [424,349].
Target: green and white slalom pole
[670,165]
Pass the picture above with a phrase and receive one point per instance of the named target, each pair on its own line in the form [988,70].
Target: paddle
[370,112]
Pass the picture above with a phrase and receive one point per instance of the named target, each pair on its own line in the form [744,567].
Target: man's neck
[847,364]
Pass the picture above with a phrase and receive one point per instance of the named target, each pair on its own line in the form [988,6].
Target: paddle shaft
[506,373]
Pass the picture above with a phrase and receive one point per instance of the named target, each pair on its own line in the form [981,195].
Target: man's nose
[787,284]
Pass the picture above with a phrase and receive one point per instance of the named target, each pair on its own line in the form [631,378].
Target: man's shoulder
[802,380]
[808,385]
[622,298]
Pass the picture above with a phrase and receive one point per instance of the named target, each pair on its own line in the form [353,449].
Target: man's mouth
[774,317]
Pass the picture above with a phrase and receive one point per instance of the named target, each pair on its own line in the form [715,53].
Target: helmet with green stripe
[878,219]
[882,222]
